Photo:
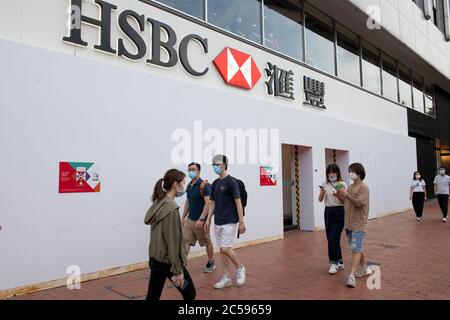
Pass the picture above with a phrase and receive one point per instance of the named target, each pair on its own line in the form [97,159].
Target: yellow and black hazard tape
[297,188]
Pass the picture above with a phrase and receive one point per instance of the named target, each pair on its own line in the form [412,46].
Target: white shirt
[330,199]
[418,185]
[442,183]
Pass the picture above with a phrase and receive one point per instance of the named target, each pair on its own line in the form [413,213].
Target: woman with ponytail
[167,252]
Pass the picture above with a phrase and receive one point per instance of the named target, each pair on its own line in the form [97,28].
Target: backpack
[202,187]
[242,192]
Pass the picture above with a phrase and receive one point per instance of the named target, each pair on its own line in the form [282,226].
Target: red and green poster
[78,177]
[267,176]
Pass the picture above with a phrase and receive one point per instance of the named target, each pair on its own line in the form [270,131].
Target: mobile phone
[183,285]
[320,187]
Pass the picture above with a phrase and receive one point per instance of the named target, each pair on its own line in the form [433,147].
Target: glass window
[390,88]
[319,40]
[418,94]
[283,28]
[191,7]
[405,86]
[429,100]
[371,68]
[241,17]
[348,56]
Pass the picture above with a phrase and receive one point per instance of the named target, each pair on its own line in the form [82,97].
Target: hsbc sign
[235,67]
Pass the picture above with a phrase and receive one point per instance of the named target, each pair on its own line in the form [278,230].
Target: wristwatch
[204,219]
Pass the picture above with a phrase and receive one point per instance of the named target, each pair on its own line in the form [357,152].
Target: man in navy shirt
[195,214]
[226,206]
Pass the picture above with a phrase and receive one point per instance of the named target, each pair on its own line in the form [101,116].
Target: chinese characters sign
[314,92]
[78,177]
[267,177]
[280,83]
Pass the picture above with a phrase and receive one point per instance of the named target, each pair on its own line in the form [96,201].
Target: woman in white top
[418,194]
[334,216]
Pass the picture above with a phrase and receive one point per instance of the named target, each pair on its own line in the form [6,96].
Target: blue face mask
[218,169]
[333,179]
[181,193]
[192,175]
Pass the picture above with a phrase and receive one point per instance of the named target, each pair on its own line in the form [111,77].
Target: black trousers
[443,204]
[418,200]
[159,273]
[334,224]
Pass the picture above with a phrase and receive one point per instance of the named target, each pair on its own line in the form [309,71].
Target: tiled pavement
[414,258]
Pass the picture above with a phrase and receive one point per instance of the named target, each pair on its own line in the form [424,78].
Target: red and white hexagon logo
[237,68]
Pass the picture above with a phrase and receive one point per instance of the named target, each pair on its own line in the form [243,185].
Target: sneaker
[444,220]
[333,269]
[210,266]
[419,219]
[340,266]
[225,281]
[240,276]
[362,272]
[351,282]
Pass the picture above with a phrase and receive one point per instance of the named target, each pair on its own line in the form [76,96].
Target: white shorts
[225,235]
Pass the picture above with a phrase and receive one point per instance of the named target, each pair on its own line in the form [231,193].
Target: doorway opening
[298,206]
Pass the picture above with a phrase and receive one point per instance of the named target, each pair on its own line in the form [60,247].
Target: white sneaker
[444,220]
[419,219]
[341,266]
[362,272]
[225,281]
[240,276]
[351,282]
[333,269]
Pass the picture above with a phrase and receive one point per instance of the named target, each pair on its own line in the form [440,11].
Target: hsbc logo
[237,68]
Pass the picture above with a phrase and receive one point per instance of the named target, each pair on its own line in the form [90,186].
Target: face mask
[442,172]
[192,175]
[353,176]
[418,177]
[333,178]
[218,169]
[181,193]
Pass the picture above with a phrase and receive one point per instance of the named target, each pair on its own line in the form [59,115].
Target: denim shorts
[355,240]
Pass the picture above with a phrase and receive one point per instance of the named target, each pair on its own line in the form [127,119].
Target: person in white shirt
[441,190]
[334,216]
[418,194]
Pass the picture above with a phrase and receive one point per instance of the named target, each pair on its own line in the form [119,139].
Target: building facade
[139,86]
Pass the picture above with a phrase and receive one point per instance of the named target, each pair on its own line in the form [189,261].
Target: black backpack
[242,192]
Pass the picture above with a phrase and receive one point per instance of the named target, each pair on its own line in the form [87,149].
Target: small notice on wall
[78,177]
[267,177]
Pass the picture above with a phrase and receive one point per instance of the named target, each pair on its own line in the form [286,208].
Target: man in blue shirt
[195,214]
[226,206]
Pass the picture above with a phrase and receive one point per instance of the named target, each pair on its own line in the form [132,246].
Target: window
[390,87]
[429,100]
[418,94]
[191,7]
[241,17]
[319,36]
[283,28]
[348,55]
[405,86]
[371,68]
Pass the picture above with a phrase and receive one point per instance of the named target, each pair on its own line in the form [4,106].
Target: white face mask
[418,177]
[353,176]
[442,172]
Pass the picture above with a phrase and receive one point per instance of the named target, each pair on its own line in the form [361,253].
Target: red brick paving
[414,259]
